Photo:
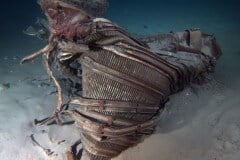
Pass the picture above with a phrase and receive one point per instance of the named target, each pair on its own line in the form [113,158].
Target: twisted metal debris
[120,83]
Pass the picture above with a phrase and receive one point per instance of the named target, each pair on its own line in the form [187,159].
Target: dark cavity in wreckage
[120,82]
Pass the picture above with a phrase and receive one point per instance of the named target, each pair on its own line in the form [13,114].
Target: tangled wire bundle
[121,83]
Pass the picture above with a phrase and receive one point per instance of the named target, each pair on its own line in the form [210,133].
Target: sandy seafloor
[199,123]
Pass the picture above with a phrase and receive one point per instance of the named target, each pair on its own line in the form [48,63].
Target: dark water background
[141,17]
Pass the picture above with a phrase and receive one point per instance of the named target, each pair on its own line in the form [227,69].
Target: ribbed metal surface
[98,86]
[130,67]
